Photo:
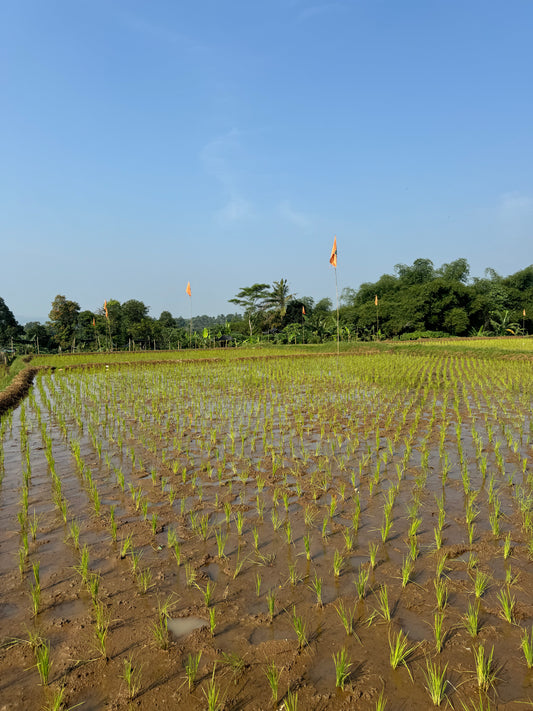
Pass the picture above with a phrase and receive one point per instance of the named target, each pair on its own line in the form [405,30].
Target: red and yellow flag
[105,309]
[333,258]
[376,300]
[188,289]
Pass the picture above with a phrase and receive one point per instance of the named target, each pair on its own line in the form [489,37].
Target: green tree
[37,334]
[456,321]
[458,270]
[64,320]
[9,327]
[251,299]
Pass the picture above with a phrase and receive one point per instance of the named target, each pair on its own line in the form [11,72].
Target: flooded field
[298,533]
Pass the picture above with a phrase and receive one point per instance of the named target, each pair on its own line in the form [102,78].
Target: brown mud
[252,475]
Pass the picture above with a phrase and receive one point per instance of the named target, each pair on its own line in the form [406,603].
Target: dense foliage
[417,301]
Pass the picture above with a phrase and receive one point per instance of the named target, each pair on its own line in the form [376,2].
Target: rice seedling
[144,580]
[93,585]
[83,568]
[288,532]
[190,574]
[102,623]
[135,557]
[413,547]
[191,668]
[481,584]
[527,647]
[400,651]
[346,615]
[294,577]
[361,582]
[212,621]
[271,602]
[383,603]
[471,619]
[34,524]
[212,693]
[126,546]
[507,546]
[208,592]
[381,702]
[440,636]
[177,553]
[258,581]
[42,660]
[407,570]
[300,628]
[222,539]
[56,700]
[441,593]
[316,586]
[307,546]
[484,668]
[478,705]
[272,674]
[338,563]
[342,668]
[436,682]
[507,602]
[239,563]
[132,676]
[291,701]
[372,552]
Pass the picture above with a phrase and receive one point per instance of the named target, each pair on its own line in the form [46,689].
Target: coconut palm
[277,299]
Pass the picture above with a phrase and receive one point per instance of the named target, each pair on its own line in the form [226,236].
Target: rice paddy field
[314,532]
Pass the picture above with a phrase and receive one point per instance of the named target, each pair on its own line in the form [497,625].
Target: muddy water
[265,464]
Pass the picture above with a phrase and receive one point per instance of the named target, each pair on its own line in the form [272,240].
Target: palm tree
[277,299]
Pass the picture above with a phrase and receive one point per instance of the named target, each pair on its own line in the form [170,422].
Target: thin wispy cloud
[515,207]
[299,219]
[320,9]
[219,158]
[161,33]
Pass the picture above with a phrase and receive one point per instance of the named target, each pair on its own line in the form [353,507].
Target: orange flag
[333,258]
[94,322]
[376,300]
[105,309]
[303,310]
[524,312]
[188,289]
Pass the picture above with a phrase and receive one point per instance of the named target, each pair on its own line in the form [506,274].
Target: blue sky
[224,142]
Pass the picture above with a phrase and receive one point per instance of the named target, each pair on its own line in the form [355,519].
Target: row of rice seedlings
[289,539]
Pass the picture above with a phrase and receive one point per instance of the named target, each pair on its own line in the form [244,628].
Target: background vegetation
[416,301]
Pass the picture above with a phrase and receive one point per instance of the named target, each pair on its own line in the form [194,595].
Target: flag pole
[108,325]
[189,293]
[333,262]
[376,301]
[337,293]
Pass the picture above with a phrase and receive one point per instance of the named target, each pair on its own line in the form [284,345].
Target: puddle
[182,626]
[267,634]
[212,570]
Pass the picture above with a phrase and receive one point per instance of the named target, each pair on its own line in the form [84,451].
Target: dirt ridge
[17,389]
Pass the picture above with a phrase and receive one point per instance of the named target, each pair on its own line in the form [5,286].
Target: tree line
[416,301]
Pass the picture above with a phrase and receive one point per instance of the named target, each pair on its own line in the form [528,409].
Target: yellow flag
[105,309]
[376,300]
[333,258]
